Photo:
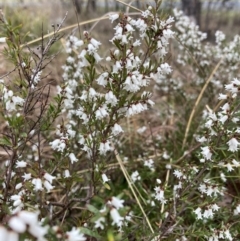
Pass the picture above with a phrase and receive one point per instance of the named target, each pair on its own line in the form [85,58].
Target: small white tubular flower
[4,234]
[220,36]
[95,43]
[26,176]
[48,186]
[49,177]
[113,17]
[97,57]
[215,207]
[111,98]
[177,173]
[3,40]
[208,213]
[233,145]
[58,145]
[18,186]
[66,174]
[13,236]
[21,164]
[198,212]
[207,154]
[232,88]
[17,225]
[99,223]
[38,231]
[29,218]
[37,182]
[201,139]
[104,147]
[117,219]
[75,235]
[237,210]
[235,163]
[73,158]
[159,194]
[105,178]
[102,79]
[222,97]
[135,176]
[165,68]
[116,202]
[228,235]
[150,164]
[17,200]
[116,129]
[101,113]
[229,167]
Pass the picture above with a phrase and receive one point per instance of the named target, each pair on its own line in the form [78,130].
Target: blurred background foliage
[35,15]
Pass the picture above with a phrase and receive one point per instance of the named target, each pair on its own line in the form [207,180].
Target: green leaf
[107,186]
[92,209]
[90,233]
[5,141]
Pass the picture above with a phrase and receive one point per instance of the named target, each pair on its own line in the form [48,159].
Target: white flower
[38,231]
[135,176]
[159,194]
[116,202]
[207,154]
[37,182]
[49,177]
[117,219]
[66,174]
[99,223]
[2,39]
[208,213]
[102,79]
[58,145]
[4,234]
[75,235]
[198,212]
[101,113]
[17,225]
[150,164]
[17,200]
[18,186]
[73,158]
[104,147]
[141,129]
[97,57]
[29,218]
[228,235]
[105,178]
[233,145]
[113,17]
[111,98]
[178,174]
[13,236]
[165,68]
[95,43]
[237,210]
[222,97]
[26,176]
[229,167]
[48,186]
[215,207]
[235,163]
[21,164]
[116,129]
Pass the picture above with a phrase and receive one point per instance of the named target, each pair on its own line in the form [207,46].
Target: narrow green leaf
[90,233]
[92,209]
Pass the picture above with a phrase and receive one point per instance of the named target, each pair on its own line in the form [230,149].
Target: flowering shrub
[73,169]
